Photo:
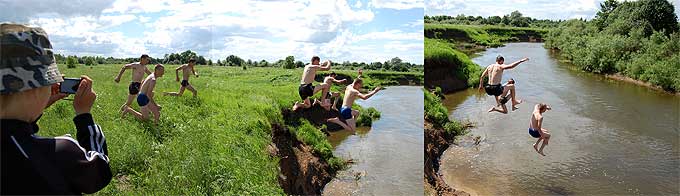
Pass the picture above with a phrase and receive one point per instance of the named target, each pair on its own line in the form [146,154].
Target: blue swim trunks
[346,112]
[534,133]
[142,99]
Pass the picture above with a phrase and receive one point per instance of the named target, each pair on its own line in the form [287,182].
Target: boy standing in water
[494,87]
[186,70]
[138,70]
[536,129]
[307,89]
[145,98]
[346,112]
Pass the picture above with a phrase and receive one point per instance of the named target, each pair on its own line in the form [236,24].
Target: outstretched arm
[122,70]
[339,81]
[513,65]
[370,94]
[147,71]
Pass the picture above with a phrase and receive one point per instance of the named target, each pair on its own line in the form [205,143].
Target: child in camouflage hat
[30,82]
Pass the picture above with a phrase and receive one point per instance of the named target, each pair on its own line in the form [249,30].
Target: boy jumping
[536,129]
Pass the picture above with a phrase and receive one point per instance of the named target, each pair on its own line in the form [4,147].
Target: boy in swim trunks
[494,87]
[145,98]
[138,70]
[186,70]
[536,129]
[346,112]
[307,89]
[326,93]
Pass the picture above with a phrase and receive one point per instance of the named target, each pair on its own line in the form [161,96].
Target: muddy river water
[608,137]
[388,155]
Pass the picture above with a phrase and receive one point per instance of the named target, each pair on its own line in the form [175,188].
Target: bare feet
[514,104]
[491,109]
[123,111]
[541,152]
[536,147]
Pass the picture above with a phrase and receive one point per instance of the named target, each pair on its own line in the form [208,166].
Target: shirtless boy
[494,87]
[536,129]
[326,93]
[307,89]
[346,112]
[186,70]
[138,70]
[145,98]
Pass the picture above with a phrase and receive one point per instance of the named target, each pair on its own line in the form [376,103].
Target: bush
[366,116]
[71,62]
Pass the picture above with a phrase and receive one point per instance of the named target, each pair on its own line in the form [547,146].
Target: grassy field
[440,53]
[213,144]
[484,35]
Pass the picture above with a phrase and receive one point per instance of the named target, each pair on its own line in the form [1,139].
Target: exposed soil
[436,142]
[302,172]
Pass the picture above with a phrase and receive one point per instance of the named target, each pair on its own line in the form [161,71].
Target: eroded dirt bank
[436,142]
[302,172]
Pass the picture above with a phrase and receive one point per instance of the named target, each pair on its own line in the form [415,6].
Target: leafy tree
[289,63]
[71,62]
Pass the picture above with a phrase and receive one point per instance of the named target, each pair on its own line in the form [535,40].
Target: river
[389,155]
[608,137]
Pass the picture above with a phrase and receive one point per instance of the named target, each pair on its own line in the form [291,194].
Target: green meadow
[484,35]
[213,144]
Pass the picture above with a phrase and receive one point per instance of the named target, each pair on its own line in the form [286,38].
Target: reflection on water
[608,137]
[389,155]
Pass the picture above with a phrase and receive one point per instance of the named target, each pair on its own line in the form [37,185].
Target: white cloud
[22,11]
[251,29]
[397,4]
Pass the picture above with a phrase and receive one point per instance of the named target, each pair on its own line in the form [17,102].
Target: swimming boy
[494,87]
[326,93]
[536,129]
[346,112]
[186,70]
[307,89]
[138,70]
[145,98]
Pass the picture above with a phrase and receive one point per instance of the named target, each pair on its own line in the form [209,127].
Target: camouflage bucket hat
[26,59]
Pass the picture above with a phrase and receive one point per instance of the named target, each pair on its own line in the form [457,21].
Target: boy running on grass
[145,98]
[326,93]
[346,112]
[138,70]
[536,129]
[186,70]
[307,89]
[494,87]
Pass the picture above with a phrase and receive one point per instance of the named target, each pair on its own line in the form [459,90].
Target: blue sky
[354,30]
[541,9]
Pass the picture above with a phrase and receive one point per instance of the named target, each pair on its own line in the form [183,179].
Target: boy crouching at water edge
[145,99]
[37,165]
[536,129]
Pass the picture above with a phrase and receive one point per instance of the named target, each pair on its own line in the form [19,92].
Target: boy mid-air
[186,70]
[138,70]
[326,93]
[307,89]
[494,87]
[536,129]
[346,112]
[145,99]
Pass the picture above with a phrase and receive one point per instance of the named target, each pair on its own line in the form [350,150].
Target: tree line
[637,39]
[514,19]
[394,64]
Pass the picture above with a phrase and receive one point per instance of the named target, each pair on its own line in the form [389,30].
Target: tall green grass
[213,144]
[441,53]
[437,114]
